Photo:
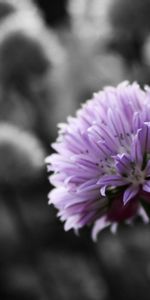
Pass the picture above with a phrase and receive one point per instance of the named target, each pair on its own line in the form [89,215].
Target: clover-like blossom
[102,165]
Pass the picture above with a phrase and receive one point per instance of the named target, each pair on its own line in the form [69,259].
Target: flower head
[102,165]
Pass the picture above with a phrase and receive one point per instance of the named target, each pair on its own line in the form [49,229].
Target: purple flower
[102,165]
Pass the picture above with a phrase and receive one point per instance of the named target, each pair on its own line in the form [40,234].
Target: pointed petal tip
[113,228]
[99,225]
[142,213]
[103,191]
[130,193]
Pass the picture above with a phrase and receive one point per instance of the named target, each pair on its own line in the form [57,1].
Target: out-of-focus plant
[130,25]
[21,157]
[29,56]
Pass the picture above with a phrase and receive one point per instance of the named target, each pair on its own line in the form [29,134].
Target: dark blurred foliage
[55,11]
[22,48]
[6,8]
[53,56]
[131,16]
[125,261]
[130,21]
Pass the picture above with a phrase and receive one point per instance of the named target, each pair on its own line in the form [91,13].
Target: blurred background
[53,56]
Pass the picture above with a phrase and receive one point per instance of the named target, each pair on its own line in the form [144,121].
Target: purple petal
[104,149]
[136,151]
[147,169]
[88,185]
[103,190]
[142,213]
[113,228]
[87,218]
[57,179]
[99,225]
[144,137]
[123,163]
[130,193]
[59,197]
[106,134]
[112,120]
[137,122]
[146,186]
[72,222]
[111,180]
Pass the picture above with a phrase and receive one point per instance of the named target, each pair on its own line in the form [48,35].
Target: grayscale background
[54,54]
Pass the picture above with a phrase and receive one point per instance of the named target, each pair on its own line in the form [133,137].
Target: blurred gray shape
[72,276]
[21,156]
[130,21]
[131,16]
[30,57]
[6,8]
[10,237]
[125,260]
[23,282]
[21,58]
